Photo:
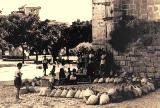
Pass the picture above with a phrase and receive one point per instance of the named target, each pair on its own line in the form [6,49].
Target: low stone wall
[145,61]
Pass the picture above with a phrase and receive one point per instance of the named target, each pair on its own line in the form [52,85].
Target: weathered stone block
[131,69]
[157,53]
[128,58]
[149,64]
[142,69]
[120,58]
[122,63]
[155,8]
[140,63]
[133,59]
[132,63]
[116,58]
[150,2]
[142,74]
[158,69]
[129,1]
[157,75]
[115,53]
[146,59]
[154,58]
[150,48]
[126,68]
[157,1]
[131,53]
[150,69]
[144,53]
[128,63]
[156,64]
[136,69]
[150,74]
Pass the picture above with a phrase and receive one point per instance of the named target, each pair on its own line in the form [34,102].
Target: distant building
[28,10]
[105,14]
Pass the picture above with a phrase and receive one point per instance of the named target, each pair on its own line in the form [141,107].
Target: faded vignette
[79,53]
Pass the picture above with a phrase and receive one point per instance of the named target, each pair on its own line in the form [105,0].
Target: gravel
[7,99]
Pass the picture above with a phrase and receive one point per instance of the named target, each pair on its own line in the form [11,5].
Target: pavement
[29,70]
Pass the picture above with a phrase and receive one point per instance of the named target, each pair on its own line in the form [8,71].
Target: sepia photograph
[79,53]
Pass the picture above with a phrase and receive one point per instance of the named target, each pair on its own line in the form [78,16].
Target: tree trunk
[36,57]
[54,57]
[3,51]
[23,54]
[67,53]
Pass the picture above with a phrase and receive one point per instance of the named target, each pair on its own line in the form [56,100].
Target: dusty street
[7,93]
[7,100]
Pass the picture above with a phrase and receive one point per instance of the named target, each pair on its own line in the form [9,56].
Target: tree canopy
[78,32]
[18,28]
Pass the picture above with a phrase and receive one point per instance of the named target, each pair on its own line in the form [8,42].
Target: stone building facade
[28,10]
[100,10]
[145,61]
[105,14]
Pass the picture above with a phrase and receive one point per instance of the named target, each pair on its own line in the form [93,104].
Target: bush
[133,32]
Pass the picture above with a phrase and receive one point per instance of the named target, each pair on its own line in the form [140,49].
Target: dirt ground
[7,99]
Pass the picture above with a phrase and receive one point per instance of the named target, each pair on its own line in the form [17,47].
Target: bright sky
[60,10]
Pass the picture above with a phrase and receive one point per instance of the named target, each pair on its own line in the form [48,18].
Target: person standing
[68,74]
[62,76]
[52,72]
[26,54]
[103,64]
[91,68]
[45,65]
[73,77]
[18,80]
[91,57]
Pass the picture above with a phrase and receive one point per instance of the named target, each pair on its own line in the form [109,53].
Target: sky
[60,10]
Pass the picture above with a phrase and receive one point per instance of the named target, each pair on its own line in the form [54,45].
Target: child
[18,80]
[52,79]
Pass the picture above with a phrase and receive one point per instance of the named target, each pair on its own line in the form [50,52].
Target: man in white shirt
[18,80]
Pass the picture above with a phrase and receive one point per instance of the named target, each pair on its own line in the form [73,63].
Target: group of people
[69,78]
[63,78]
[96,63]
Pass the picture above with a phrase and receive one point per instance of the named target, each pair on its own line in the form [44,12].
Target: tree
[77,33]
[18,28]
[3,34]
[15,28]
[56,39]
[40,35]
